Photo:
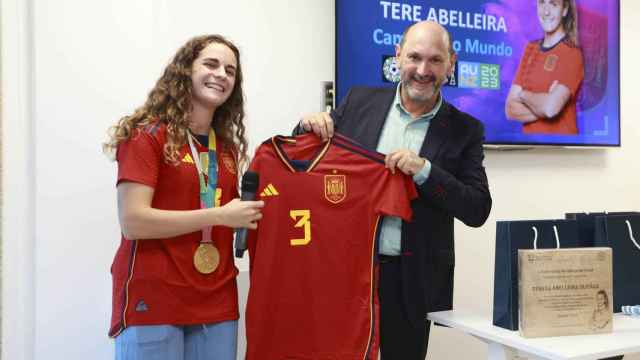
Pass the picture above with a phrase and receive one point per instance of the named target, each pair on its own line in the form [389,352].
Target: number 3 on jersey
[303,218]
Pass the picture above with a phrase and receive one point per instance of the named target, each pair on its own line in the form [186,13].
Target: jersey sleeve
[396,194]
[519,77]
[139,159]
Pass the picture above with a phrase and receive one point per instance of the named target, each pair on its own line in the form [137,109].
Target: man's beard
[422,95]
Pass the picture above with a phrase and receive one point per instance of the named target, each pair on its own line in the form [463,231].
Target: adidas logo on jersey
[187,159]
[141,306]
[269,190]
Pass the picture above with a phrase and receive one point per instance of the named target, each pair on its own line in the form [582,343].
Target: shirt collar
[397,103]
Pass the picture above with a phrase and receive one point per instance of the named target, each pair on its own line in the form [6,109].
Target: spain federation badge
[335,188]
[550,62]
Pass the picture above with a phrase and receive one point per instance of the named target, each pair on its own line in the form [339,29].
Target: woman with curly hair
[174,281]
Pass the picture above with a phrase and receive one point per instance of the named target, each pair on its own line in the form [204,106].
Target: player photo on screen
[535,72]
[544,91]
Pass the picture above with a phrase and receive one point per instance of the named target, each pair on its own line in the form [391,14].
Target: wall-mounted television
[506,55]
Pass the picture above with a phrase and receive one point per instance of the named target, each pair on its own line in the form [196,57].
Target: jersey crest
[335,188]
[550,62]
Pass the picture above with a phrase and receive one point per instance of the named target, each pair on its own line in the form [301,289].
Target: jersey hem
[185,322]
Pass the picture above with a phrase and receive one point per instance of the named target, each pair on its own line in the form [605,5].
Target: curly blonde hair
[169,102]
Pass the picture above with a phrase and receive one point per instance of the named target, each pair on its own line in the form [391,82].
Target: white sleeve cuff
[422,176]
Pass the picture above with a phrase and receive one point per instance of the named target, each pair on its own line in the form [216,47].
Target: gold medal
[206,258]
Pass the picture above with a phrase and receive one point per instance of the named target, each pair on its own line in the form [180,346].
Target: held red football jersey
[312,294]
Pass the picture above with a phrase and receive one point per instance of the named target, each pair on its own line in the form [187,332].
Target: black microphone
[249,188]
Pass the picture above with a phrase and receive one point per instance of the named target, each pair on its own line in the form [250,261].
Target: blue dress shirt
[401,131]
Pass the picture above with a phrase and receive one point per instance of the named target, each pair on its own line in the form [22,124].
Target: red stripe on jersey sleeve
[349,144]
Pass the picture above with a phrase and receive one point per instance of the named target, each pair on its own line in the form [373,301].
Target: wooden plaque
[565,291]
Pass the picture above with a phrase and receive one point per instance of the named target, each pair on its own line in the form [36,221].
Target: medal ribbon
[207,188]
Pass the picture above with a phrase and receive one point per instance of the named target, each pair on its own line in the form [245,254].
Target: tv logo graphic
[452,80]
[390,69]
[478,75]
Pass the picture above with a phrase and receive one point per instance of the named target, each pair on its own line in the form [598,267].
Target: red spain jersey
[312,294]
[539,68]
[154,280]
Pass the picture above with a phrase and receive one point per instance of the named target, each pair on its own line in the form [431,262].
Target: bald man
[441,148]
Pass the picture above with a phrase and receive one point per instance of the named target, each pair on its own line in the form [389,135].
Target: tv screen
[535,72]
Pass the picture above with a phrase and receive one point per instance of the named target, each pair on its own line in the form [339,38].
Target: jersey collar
[298,165]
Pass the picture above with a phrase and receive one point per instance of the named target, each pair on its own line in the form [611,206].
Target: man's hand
[320,124]
[405,160]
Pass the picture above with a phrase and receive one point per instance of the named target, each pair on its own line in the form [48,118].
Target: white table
[506,344]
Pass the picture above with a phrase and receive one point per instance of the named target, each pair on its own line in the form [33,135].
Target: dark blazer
[457,187]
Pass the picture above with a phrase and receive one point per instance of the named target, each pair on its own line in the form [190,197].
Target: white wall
[72,67]
[18,225]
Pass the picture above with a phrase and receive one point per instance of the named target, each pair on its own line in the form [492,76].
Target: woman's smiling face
[551,14]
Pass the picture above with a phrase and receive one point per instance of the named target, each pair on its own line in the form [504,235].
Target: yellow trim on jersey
[372,289]
[283,158]
[126,291]
[320,156]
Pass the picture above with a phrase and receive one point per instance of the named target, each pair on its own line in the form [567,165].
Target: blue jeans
[216,341]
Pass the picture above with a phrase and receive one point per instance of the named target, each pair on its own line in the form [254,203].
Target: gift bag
[587,224]
[522,234]
[622,234]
